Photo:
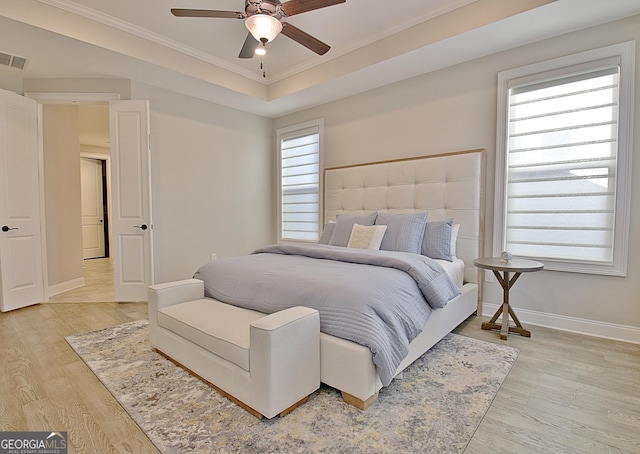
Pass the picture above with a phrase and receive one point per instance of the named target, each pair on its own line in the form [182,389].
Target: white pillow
[366,236]
[454,239]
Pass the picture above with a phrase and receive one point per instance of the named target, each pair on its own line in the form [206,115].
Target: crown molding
[119,24]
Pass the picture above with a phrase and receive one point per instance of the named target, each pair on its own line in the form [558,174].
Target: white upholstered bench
[268,364]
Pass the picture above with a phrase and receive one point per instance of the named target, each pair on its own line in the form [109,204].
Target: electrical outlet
[214,256]
[488,276]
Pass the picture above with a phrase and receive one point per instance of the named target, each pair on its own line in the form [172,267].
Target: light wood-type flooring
[98,288]
[566,393]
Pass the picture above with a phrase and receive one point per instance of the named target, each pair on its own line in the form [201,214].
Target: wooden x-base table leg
[506,310]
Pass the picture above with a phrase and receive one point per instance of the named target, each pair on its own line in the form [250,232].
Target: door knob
[142,227]
[6,228]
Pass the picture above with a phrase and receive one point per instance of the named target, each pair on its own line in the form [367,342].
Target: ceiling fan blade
[302,6]
[249,47]
[207,13]
[305,39]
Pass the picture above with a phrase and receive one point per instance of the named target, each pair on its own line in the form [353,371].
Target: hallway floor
[98,288]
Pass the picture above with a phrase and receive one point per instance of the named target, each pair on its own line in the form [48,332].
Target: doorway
[95,215]
[131,229]
[87,255]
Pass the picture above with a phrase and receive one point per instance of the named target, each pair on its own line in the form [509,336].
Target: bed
[450,188]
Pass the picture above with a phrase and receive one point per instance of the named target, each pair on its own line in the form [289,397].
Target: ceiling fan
[263,19]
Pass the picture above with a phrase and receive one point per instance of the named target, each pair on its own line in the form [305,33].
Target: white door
[92,208]
[131,223]
[21,249]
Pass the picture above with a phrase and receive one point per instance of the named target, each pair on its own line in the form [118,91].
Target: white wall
[212,174]
[212,181]
[455,109]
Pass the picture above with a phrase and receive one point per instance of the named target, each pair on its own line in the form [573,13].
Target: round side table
[516,266]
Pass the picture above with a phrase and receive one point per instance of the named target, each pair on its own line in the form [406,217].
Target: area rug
[435,406]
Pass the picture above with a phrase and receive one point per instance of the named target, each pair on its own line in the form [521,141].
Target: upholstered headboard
[447,186]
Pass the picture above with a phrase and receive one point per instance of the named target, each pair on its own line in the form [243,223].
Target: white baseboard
[571,324]
[65,286]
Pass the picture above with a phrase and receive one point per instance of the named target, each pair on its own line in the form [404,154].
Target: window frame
[285,133]
[549,70]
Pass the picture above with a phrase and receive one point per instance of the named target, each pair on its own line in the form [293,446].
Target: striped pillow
[437,240]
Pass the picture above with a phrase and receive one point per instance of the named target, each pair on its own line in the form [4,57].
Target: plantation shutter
[300,173]
[561,164]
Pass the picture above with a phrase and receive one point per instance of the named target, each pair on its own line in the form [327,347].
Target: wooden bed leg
[359,403]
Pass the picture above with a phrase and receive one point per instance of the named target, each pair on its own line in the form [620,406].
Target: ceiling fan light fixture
[261,50]
[263,27]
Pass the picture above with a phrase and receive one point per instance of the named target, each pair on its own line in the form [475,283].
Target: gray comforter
[379,299]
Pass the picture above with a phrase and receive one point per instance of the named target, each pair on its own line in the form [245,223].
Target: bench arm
[168,294]
[176,292]
[284,358]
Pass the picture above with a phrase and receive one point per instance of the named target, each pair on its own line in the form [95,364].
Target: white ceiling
[373,43]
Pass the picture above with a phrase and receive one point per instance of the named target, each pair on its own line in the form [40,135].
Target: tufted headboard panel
[447,186]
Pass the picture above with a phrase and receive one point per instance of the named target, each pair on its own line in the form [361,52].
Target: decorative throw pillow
[344,225]
[327,232]
[405,231]
[437,240]
[366,236]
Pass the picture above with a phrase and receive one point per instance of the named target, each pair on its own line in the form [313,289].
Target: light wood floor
[98,288]
[44,386]
[566,393]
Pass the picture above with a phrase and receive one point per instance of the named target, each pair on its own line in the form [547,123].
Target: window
[299,176]
[563,157]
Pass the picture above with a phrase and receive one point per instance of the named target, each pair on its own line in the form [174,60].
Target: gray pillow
[344,225]
[437,240]
[327,232]
[405,231]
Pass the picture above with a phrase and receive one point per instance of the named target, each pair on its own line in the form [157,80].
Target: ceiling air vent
[12,60]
